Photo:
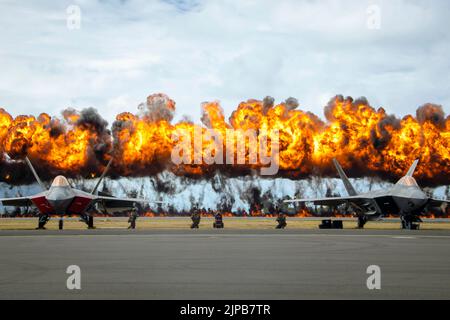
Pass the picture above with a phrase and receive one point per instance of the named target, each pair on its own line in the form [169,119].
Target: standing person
[218,221]
[132,219]
[281,221]
[195,217]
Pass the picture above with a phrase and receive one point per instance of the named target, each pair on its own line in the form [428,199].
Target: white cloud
[227,50]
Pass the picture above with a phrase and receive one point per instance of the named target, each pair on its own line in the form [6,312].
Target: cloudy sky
[195,51]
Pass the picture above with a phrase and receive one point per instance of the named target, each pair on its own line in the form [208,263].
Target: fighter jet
[61,199]
[405,199]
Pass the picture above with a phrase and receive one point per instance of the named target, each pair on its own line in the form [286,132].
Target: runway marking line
[404,237]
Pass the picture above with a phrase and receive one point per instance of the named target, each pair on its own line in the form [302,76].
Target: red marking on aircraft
[78,205]
[42,204]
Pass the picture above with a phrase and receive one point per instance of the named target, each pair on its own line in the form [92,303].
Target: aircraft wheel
[43,219]
[410,222]
[91,222]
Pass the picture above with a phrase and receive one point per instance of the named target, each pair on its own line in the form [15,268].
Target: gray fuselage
[404,198]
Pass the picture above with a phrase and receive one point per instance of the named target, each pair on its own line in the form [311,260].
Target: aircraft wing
[112,202]
[37,200]
[331,201]
[17,202]
[437,202]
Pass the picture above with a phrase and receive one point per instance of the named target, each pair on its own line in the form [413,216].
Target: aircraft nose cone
[60,206]
[60,198]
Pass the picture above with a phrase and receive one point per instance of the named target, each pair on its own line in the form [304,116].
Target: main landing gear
[43,219]
[410,222]
[362,220]
[89,220]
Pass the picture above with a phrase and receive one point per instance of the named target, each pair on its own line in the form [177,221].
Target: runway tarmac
[225,264]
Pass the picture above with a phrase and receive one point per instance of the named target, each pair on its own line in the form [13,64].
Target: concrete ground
[224,264]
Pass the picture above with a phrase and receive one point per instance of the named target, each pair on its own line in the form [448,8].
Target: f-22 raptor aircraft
[405,199]
[62,199]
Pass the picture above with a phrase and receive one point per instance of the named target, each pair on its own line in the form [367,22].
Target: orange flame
[366,141]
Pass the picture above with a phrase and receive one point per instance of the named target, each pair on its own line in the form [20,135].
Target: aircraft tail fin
[348,186]
[101,177]
[35,173]
[412,168]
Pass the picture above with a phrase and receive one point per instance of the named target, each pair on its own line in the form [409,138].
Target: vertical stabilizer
[35,174]
[102,176]
[348,186]
[412,168]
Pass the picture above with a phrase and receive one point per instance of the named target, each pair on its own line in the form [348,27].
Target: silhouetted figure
[218,221]
[195,217]
[132,218]
[281,221]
